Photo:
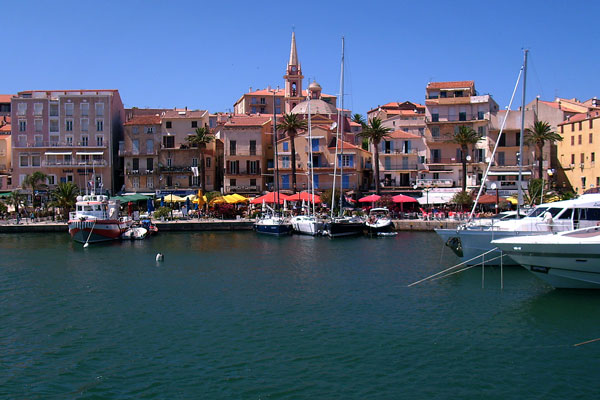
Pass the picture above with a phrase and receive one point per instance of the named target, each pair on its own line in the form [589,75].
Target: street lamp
[494,186]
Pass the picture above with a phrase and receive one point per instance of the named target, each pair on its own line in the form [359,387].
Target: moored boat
[273,225]
[379,222]
[135,233]
[96,219]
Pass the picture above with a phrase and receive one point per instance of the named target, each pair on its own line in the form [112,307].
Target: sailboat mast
[311,176]
[341,130]
[276,158]
[520,181]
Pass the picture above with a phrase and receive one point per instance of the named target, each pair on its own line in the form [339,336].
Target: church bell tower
[293,79]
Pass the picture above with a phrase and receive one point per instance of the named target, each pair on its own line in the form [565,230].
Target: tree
[462,199]
[65,197]
[291,125]
[201,139]
[464,137]
[359,119]
[35,181]
[374,132]
[16,199]
[538,134]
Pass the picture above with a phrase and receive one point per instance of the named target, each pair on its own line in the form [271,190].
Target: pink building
[69,135]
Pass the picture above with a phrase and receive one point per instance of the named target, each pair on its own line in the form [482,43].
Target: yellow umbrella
[240,198]
[512,200]
[173,199]
[218,200]
[230,199]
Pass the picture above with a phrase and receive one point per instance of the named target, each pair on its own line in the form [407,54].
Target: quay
[212,225]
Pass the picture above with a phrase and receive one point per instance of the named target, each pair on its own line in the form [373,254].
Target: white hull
[561,261]
[307,225]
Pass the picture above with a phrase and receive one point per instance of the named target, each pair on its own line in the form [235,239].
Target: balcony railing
[399,152]
[435,182]
[140,171]
[440,160]
[176,169]
[399,166]
[125,153]
[229,171]
[22,144]
[241,188]
[243,152]
[74,163]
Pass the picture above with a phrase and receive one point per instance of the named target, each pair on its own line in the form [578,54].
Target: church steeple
[293,78]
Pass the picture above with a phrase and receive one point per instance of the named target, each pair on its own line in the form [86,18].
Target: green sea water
[234,315]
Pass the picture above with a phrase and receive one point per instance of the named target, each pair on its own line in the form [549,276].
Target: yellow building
[578,151]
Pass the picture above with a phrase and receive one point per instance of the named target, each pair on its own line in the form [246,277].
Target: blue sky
[206,54]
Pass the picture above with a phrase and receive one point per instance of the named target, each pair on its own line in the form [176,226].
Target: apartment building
[401,156]
[140,150]
[448,106]
[5,100]
[407,116]
[70,135]
[247,142]
[179,162]
[578,151]
[5,153]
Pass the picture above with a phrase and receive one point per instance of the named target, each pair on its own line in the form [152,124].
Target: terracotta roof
[5,98]
[347,146]
[247,120]
[5,128]
[279,92]
[184,114]
[144,120]
[400,134]
[450,85]
[559,106]
[581,117]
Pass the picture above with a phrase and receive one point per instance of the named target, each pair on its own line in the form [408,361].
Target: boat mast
[276,159]
[341,135]
[520,182]
[337,140]
[311,181]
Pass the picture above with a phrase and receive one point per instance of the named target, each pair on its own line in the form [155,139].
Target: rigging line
[539,82]
[487,170]
[466,268]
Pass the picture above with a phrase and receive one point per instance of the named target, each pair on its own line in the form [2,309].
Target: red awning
[270,198]
[401,198]
[303,196]
[370,199]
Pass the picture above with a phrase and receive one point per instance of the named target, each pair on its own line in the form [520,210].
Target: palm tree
[540,133]
[16,199]
[35,181]
[200,140]
[359,119]
[464,137]
[65,196]
[291,124]
[374,132]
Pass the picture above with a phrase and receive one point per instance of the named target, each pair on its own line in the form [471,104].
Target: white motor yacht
[565,260]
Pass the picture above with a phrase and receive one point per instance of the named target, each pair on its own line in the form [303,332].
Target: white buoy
[86,245]
[160,257]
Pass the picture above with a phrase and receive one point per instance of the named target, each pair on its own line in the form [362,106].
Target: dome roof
[316,107]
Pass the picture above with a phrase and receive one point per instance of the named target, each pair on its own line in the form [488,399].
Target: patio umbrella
[187,203]
[173,199]
[369,199]
[162,201]
[129,208]
[240,198]
[269,198]
[401,198]
[150,205]
[304,196]
[489,199]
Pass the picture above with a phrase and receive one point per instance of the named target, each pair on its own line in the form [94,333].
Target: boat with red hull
[96,219]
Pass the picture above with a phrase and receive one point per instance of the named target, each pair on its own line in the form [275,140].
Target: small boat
[344,226]
[152,229]
[564,260]
[379,222]
[307,225]
[96,219]
[135,233]
[272,224]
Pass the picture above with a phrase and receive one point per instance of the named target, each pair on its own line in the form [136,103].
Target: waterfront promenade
[9,226]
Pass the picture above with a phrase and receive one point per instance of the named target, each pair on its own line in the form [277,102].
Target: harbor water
[242,316]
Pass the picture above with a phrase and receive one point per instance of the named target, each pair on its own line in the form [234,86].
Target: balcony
[242,188]
[243,152]
[176,169]
[400,167]
[74,163]
[435,182]
[399,152]
[440,160]
[229,171]
[128,153]
[21,144]
[140,172]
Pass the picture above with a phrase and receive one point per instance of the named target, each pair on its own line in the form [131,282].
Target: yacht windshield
[538,211]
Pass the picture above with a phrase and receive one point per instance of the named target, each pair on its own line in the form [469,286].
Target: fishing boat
[340,225]
[150,227]
[565,260]
[379,222]
[96,219]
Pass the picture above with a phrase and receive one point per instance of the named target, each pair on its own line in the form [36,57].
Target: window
[278,110]
[69,109]
[253,110]
[51,179]
[194,162]
[579,125]
[38,140]
[135,130]
[593,157]
[572,140]
[207,159]
[435,131]
[67,159]
[234,167]
[591,138]
[347,160]
[22,125]
[169,162]
[573,159]
[84,108]
[232,147]
[262,110]
[21,109]
[435,117]
[169,124]
[85,124]
[263,100]
[54,109]
[285,161]
[135,146]
[253,167]
[37,109]
[194,124]
[37,125]
[53,125]
[135,181]
[252,182]
[169,142]
[99,141]
[150,130]
[562,129]
[99,125]
[421,131]
[583,182]
[149,164]
[501,160]
[253,147]
[582,158]
[579,139]
[84,140]
[150,182]
[286,146]
[149,146]
[68,125]
[591,123]
[253,100]
[480,115]
[573,127]
[99,109]
[285,181]
[36,161]
[277,101]
[23,160]
[135,164]
[54,139]
[462,116]
[232,182]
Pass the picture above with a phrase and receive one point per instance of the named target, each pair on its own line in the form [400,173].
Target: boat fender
[160,257]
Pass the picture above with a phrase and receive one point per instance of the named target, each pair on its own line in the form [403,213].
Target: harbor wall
[218,225]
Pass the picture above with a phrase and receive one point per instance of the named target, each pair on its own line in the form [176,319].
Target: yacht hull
[101,231]
[281,229]
[341,229]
